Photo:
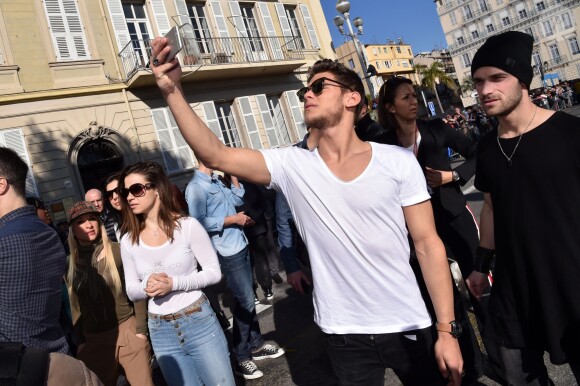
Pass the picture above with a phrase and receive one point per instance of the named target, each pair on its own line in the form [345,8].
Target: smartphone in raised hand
[173,41]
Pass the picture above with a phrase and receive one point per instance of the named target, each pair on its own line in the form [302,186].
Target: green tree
[467,85]
[432,75]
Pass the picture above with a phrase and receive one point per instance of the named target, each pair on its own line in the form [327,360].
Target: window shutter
[221,25]
[14,139]
[66,29]
[296,110]
[285,24]
[270,30]
[183,17]
[160,16]
[176,153]
[267,120]
[238,19]
[119,23]
[211,119]
[309,26]
[250,122]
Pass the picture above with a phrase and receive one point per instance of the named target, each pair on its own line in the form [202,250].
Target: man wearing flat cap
[529,171]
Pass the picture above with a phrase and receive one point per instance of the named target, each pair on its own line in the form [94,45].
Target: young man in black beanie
[529,171]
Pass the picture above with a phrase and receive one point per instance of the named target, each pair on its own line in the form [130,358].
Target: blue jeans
[192,350]
[361,359]
[238,272]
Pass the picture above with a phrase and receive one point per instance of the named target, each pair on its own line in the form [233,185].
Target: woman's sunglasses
[109,193]
[317,86]
[137,190]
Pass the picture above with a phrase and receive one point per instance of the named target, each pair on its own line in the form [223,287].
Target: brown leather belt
[192,308]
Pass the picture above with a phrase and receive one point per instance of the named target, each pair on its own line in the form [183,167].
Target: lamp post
[343,7]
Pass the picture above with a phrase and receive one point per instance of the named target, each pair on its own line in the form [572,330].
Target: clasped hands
[158,284]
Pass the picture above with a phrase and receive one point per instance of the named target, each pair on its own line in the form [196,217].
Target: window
[522,13]
[573,43]
[384,50]
[474,34]
[466,61]
[483,6]
[229,131]
[566,21]
[66,29]
[547,28]
[296,109]
[294,26]
[405,63]
[351,64]
[540,6]
[555,53]
[273,120]
[14,139]
[537,59]
[452,18]
[529,32]
[467,14]
[175,151]
[138,31]
[460,40]
[505,20]
[374,51]
[252,29]
[200,28]
[489,27]
[409,50]
[398,50]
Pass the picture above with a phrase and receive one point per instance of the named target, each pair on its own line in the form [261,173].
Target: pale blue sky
[415,21]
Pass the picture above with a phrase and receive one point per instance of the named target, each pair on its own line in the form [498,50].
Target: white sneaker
[248,370]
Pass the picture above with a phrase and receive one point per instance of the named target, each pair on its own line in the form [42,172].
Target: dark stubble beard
[328,119]
[510,104]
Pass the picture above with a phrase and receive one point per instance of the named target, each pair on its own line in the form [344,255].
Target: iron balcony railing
[555,62]
[216,51]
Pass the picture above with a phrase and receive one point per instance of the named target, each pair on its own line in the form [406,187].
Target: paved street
[288,322]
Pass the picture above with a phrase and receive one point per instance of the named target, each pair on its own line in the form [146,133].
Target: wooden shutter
[250,122]
[14,139]
[296,110]
[222,28]
[66,29]
[267,120]
[270,31]
[309,26]
[161,18]
[238,19]
[119,23]
[211,119]
[183,17]
[285,25]
[166,144]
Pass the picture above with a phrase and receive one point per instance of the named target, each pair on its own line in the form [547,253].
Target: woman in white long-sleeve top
[161,250]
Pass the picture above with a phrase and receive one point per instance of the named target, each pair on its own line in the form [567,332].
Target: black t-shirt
[535,300]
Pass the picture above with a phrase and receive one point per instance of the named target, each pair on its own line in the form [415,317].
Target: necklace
[509,159]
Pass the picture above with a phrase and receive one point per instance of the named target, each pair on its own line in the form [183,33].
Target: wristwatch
[456,176]
[452,327]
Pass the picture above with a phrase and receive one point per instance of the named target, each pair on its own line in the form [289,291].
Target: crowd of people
[378,210]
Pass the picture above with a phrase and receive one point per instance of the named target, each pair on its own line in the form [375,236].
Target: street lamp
[343,7]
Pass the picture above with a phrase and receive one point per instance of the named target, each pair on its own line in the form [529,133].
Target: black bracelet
[483,259]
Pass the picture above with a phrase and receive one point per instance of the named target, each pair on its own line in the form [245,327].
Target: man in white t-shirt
[351,201]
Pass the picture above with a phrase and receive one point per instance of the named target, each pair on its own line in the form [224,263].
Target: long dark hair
[112,211]
[169,210]
[387,95]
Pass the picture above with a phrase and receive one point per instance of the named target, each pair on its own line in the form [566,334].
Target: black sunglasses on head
[109,193]
[137,190]
[317,86]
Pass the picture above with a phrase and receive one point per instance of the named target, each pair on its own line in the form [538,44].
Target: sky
[415,21]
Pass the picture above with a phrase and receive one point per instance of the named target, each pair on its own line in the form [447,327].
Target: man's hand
[295,280]
[477,283]
[437,178]
[159,284]
[448,358]
[167,75]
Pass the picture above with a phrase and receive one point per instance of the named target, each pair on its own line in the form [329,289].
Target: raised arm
[245,163]
[435,270]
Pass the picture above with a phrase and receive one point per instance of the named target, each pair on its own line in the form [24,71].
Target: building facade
[442,56]
[77,100]
[552,23]
[390,59]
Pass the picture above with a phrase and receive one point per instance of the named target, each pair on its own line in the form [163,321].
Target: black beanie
[510,51]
